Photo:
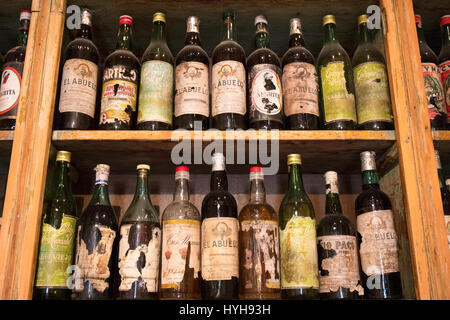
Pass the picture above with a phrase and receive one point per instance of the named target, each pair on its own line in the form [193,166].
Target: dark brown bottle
[97,241]
[219,234]
[380,273]
[11,77]
[192,81]
[259,244]
[432,81]
[120,82]
[228,88]
[300,83]
[265,100]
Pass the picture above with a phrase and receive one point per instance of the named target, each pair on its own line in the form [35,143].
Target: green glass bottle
[139,246]
[57,235]
[156,89]
[299,266]
[337,92]
[373,103]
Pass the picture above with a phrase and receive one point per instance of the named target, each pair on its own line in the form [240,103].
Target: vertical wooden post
[19,234]
[425,218]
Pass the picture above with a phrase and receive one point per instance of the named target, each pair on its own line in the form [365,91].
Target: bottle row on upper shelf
[218,254]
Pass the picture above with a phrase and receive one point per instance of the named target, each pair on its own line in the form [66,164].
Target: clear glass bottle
[139,246]
[180,259]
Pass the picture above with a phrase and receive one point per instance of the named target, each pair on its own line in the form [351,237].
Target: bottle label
[156,92]
[220,249]
[55,253]
[339,104]
[78,87]
[444,69]
[93,257]
[228,88]
[372,93]
[265,96]
[139,256]
[338,264]
[433,89]
[300,89]
[119,95]
[447,227]
[180,252]
[378,249]
[191,89]
[11,81]
[261,256]
[299,267]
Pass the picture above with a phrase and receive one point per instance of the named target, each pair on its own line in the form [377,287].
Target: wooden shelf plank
[321,150]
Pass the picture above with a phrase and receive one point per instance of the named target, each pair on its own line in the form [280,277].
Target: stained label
[265,90]
[433,90]
[444,69]
[10,85]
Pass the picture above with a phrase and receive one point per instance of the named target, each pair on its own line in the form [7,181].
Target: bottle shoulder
[83,49]
[335,224]
[444,54]
[258,211]
[297,54]
[367,52]
[296,205]
[263,56]
[372,200]
[192,53]
[140,210]
[228,50]
[332,52]
[99,215]
[219,203]
[181,210]
[16,54]
[427,55]
[122,57]
[157,51]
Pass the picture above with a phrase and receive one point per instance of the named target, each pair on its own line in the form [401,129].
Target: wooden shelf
[320,150]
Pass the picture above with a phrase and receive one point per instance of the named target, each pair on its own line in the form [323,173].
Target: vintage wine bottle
[139,245]
[300,83]
[444,62]
[339,276]
[259,241]
[445,194]
[156,89]
[432,80]
[373,103]
[120,82]
[11,77]
[299,269]
[97,240]
[447,212]
[380,273]
[192,81]
[265,99]
[219,234]
[228,84]
[180,259]
[59,219]
[79,79]
[337,92]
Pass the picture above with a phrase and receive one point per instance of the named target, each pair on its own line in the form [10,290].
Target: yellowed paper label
[179,236]
[220,249]
[378,249]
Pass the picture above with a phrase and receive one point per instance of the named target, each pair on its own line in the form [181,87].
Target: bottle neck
[159,31]
[22,38]
[330,32]
[100,195]
[85,32]
[295,182]
[446,35]
[333,204]
[142,186]
[262,36]
[370,179]
[219,181]
[420,35]
[192,38]
[181,190]
[124,38]
[257,191]
[229,30]
[296,40]
[61,178]
[364,35]
[441,179]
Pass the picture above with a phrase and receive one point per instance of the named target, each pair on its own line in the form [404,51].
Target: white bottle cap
[101,174]
[25,15]
[260,19]
[368,161]
[218,162]
[331,182]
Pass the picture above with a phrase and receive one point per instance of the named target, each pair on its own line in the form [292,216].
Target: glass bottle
[120,82]
[156,89]
[337,92]
[228,84]
[180,259]
[373,103]
[219,234]
[11,77]
[192,81]
[432,81]
[444,62]
[259,241]
[59,219]
[445,194]
[380,273]
[299,269]
[300,84]
[79,79]
[96,253]
[339,276]
[265,100]
[139,245]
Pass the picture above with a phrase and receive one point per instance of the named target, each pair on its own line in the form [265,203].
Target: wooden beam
[19,234]
[425,219]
